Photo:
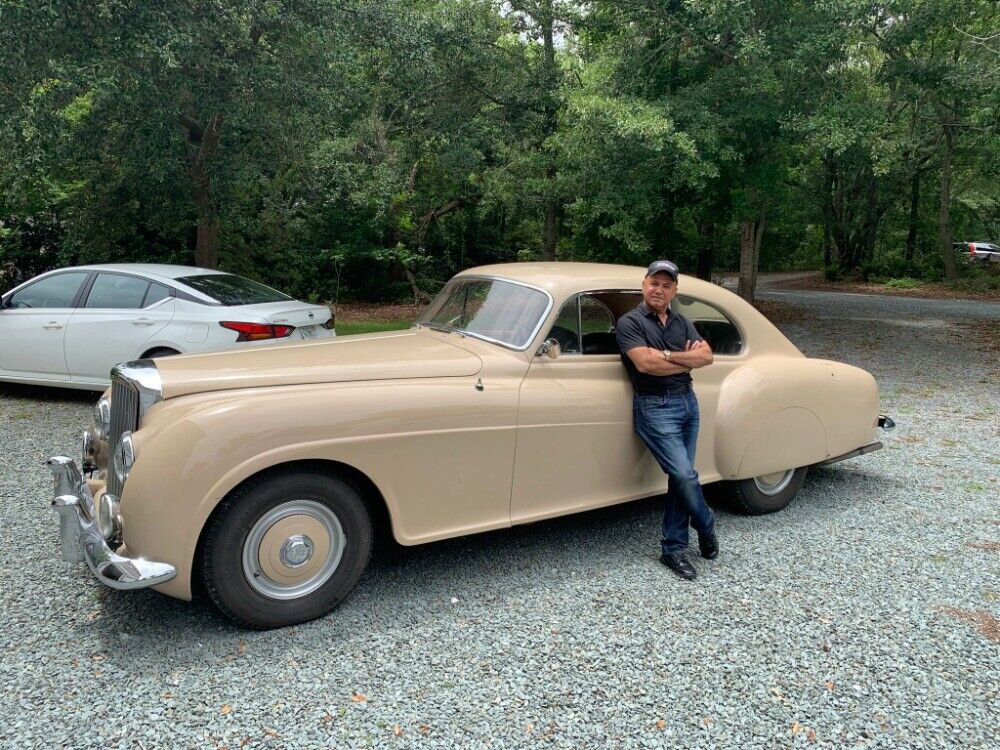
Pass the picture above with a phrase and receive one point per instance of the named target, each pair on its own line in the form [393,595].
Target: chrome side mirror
[550,348]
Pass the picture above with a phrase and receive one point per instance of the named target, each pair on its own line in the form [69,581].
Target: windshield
[499,311]
[233,290]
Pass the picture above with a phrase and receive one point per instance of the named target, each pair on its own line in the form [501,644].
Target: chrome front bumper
[82,540]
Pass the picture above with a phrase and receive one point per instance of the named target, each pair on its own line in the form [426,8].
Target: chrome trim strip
[144,376]
[870,448]
[81,538]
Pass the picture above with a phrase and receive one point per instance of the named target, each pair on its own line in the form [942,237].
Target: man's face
[658,291]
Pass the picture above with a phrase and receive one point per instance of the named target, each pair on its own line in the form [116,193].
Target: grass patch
[372,326]
[903,283]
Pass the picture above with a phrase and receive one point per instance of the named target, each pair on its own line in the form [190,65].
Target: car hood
[372,356]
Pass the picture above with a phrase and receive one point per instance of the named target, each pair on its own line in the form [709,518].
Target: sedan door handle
[52,324]
[143,322]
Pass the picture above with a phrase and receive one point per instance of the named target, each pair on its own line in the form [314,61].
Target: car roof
[564,278]
[161,270]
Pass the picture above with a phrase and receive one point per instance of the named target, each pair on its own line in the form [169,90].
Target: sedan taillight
[256,331]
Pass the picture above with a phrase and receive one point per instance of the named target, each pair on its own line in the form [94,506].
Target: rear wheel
[767,493]
[286,548]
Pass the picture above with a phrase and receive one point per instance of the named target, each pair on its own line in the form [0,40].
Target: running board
[870,448]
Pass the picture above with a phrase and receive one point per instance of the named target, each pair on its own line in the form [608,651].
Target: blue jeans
[668,425]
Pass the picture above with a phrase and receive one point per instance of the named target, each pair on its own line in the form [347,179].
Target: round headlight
[124,457]
[102,417]
[109,518]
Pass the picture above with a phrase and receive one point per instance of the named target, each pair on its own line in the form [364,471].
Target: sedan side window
[714,325]
[116,292]
[156,293]
[52,292]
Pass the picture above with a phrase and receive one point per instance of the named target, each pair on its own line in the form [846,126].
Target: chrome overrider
[82,540]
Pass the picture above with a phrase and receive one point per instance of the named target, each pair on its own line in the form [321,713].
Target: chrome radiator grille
[124,417]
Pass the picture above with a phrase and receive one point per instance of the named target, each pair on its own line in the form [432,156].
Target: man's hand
[696,354]
[652,362]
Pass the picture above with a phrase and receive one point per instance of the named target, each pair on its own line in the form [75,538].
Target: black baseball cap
[663,265]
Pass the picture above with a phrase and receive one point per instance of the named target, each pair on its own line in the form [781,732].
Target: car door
[120,314]
[576,448]
[33,327]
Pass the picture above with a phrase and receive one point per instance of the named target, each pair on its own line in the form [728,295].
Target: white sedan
[71,326]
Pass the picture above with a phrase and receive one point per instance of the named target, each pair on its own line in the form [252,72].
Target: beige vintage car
[261,476]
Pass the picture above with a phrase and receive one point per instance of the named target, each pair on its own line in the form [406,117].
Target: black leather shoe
[680,565]
[709,546]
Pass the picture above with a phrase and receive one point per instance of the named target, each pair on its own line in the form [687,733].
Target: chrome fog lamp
[124,457]
[102,417]
[89,450]
[109,518]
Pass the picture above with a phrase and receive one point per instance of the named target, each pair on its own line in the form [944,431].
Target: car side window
[714,325]
[116,292]
[597,324]
[49,293]
[584,317]
[156,293]
[566,328]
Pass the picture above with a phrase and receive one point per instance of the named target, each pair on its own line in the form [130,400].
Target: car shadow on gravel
[414,582]
[20,391]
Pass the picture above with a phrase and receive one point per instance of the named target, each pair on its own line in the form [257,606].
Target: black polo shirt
[642,327]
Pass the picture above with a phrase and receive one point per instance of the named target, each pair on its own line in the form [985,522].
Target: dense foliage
[371,148]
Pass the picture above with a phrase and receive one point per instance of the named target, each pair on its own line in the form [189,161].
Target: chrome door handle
[52,324]
[143,322]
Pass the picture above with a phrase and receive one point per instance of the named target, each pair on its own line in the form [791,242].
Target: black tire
[752,497]
[236,524]
[161,352]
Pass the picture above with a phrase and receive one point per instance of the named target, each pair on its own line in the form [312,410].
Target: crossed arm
[652,361]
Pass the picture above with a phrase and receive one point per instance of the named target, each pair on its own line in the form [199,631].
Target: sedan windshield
[491,309]
[233,290]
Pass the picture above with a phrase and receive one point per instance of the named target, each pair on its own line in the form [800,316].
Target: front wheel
[286,549]
[767,493]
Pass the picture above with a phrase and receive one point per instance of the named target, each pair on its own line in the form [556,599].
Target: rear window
[233,290]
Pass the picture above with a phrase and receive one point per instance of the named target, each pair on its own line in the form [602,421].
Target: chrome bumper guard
[82,540]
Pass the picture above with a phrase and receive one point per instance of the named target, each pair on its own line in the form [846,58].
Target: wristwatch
[666,354]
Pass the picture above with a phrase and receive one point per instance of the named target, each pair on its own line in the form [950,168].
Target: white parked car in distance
[69,327]
[979,253]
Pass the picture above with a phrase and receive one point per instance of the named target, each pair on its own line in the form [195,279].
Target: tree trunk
[202,143]
[944,214]
[706,250]
[746,287]
[550,231]
[663,228]
[751,234]
[419,297]
[758,237]
[911,235]
[830,211]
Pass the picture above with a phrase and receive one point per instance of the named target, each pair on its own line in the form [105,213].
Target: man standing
[659,349]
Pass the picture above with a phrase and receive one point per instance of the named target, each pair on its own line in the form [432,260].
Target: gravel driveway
[861,616]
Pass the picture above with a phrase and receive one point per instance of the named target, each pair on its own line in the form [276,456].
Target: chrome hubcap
[293,549]
[773,484]
[296,550]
